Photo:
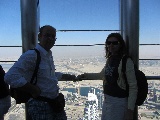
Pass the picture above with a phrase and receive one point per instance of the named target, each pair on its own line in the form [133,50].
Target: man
[47,79]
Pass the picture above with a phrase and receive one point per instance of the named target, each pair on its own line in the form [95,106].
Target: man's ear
[39,37]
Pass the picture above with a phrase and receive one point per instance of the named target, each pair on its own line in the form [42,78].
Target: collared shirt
[47,79]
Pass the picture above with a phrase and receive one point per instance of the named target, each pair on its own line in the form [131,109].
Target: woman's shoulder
[127,58]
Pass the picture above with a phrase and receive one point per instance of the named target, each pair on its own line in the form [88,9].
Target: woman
[5,100]
[118,103]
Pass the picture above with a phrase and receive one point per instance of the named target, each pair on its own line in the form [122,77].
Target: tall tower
[91,108]
[100,100]
[78,89]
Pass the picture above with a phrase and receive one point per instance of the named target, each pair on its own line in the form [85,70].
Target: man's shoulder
[29,54]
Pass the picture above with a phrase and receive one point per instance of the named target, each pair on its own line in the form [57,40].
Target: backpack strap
[124,61]
[37,67]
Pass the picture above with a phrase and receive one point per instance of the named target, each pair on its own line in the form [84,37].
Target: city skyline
[77,99]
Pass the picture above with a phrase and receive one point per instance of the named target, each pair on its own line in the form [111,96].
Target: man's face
[47,38]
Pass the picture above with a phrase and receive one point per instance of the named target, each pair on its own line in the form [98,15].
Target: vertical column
[29,23]
[129,26]
[29,27]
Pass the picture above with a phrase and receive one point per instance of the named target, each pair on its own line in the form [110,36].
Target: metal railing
[148,77]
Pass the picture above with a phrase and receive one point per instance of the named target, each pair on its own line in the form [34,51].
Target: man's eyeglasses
[50,36]
[113,42]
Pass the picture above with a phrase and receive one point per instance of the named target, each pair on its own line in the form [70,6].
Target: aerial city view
[84,98]
[79,46]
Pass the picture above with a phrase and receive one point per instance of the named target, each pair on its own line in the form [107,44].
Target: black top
[4,88]
[110,85]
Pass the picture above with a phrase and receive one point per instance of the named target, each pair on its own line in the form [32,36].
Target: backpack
[4,87]
[141,82]
[22,96]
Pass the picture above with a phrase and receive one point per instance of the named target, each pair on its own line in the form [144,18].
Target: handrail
[149,44]
[84,30]
[78,45]
[7,61]
[10,46]
[149,59]
[85,45]
[148,77]
[153,77]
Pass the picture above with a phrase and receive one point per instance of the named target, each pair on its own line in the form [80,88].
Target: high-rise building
[100,100]
[91,107]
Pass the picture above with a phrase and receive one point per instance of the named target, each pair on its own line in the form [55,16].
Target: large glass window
[86,23]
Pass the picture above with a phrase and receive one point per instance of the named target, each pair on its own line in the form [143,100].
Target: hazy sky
[78,14]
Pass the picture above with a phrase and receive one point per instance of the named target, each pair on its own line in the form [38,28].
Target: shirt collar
[39,47]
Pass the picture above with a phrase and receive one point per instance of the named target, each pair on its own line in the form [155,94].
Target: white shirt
[47,79]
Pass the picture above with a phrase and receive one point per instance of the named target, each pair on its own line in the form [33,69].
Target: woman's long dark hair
[122,50]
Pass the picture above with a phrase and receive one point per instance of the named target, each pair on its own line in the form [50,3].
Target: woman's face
[113,45]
